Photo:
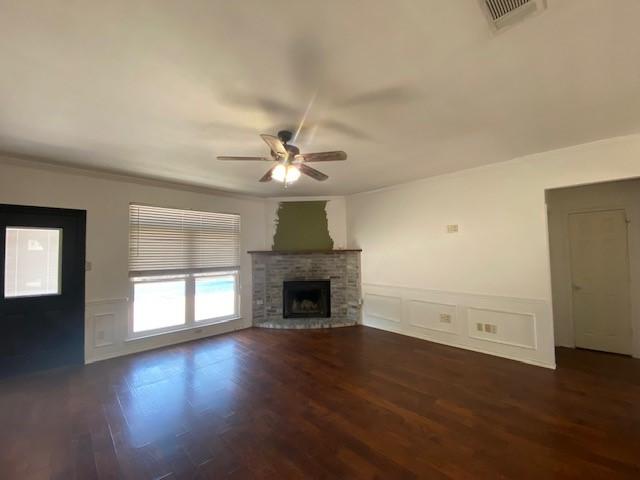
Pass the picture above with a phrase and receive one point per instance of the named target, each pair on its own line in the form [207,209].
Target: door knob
[576,287]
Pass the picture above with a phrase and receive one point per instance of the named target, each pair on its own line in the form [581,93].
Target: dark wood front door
[42,257]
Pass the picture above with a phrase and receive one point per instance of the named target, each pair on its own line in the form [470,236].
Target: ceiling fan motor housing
[285,136]
[292,149]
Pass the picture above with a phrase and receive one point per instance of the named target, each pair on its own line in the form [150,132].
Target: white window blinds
[168,240]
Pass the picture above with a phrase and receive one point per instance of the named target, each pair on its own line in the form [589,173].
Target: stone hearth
[272,268]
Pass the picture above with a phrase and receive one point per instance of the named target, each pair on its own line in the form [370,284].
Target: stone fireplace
[306,289]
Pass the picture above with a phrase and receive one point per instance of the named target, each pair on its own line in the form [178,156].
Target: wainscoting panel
[103,329]
[512,328]
[383,307]
[516,328]
[106,329]
[439,317]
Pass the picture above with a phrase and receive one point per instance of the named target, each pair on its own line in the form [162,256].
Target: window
[215,296]
[32,261]
[184,268]
[159,303]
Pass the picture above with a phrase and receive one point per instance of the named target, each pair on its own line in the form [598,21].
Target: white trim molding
[515,328]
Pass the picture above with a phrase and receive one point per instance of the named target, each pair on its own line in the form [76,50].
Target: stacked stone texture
[271,269]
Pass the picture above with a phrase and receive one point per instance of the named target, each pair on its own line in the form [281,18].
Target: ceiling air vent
[503,13]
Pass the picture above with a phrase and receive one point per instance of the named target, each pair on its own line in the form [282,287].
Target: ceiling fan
[290,163]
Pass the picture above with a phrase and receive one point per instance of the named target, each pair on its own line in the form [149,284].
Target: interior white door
[600,281]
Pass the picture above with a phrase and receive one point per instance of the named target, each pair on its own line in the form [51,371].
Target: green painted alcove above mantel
[302,225]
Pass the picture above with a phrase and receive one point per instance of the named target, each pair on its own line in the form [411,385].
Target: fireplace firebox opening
[306,299]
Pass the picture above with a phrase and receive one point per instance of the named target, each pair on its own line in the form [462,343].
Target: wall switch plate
[88,266]
[445,318]
[453,228]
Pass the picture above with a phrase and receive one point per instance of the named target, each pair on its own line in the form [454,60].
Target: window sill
[197,326]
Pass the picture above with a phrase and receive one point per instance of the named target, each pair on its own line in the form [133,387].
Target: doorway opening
[594,243]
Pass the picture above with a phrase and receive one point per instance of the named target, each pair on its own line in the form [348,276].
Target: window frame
[190,298]
[189,274]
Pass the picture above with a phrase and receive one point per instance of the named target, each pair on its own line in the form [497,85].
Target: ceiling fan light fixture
[285,173]
[293,174]
[279,173]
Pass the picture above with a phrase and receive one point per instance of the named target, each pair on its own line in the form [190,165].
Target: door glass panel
[215,297]
[32,261]
[158,304]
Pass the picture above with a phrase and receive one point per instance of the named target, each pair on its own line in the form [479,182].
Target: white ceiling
[408,88]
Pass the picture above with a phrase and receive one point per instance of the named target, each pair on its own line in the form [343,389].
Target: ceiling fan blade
[267,176]
[322,156]
[258,159]
[345,129]
[306,57]
[209,127]
[392,95]
[270,106]
[312,172]
[275,144]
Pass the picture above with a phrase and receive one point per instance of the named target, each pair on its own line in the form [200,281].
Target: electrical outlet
[445,318]
[490,328]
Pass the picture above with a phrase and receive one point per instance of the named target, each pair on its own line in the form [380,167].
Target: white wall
[494,270]
[623,195]
[336,217]
[106,199]
[498,261]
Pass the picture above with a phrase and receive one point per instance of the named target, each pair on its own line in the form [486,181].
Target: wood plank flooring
[335,404]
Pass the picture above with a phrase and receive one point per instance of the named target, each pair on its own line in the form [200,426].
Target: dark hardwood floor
[340,404]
